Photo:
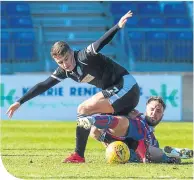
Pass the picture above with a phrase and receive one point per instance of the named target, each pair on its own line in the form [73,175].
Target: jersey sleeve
[59,74]
[105,39]
[38,89]
[96,46]
[86,54]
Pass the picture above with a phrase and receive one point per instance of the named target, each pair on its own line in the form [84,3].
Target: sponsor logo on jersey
[87,78]
[113,91]
[79,71]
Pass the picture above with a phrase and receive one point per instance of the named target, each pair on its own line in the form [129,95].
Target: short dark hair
[60,48]
[156,98]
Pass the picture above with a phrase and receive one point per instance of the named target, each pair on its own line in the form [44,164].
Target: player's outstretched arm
[107,37]
[33,92]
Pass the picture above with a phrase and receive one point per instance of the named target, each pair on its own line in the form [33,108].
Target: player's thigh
[125,100]
[96,104]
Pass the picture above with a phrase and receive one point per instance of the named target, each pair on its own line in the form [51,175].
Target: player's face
[154,113]
[66,62]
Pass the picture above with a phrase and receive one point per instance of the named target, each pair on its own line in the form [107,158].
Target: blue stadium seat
[17,8]
[4,52]
[5,36]
[24,52]
[149,8]
[23,37]
[123,7]
[153,36]
[175,8]
[136,50]
[20,22]
[183,35]
[178,22]
[3,10]
[4,22]
[137,36]
[157,22]
[134,22]
[183,53]
[156,52]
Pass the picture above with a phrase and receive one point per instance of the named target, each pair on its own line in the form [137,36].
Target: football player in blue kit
[137,132]
[120,91]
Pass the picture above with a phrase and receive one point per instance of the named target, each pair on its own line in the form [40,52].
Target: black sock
[81,140]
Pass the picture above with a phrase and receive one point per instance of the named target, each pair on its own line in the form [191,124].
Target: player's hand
[123,20]
[12,109]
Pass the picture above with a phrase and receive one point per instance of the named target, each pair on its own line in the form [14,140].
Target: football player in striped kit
[137,132]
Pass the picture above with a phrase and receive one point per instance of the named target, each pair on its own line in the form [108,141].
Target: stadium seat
[136,35]
[132,23]
[156,52]
[182,35]
[122,7]
[4,52]
[20,22]
[4,22]
[80,6]
[178,22]
[149,8]
[23,37]
[5,36]
[154,22]
[3,9]
[17,8]
[24,52]
[175,8]
[136,51]
[152,36]
[183,53]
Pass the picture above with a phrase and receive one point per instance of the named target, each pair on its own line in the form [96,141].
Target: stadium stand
[159,37]
[59,22]
[18,44]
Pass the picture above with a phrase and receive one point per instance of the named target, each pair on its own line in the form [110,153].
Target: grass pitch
[35,150]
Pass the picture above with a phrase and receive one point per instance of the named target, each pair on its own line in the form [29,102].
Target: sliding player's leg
[183,153]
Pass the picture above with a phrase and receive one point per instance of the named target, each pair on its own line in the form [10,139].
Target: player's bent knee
[83,109]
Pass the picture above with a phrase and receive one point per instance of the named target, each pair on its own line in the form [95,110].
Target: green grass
[35,150]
